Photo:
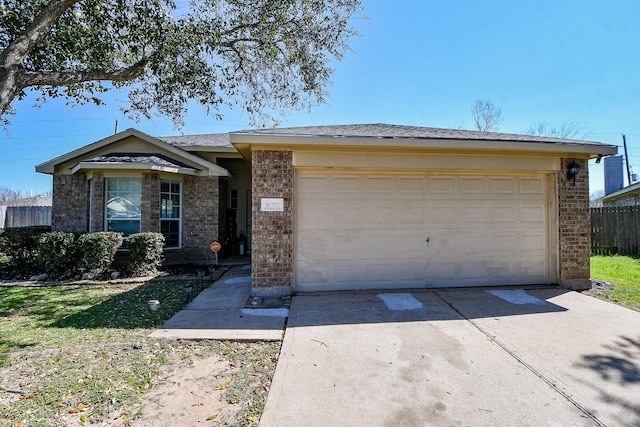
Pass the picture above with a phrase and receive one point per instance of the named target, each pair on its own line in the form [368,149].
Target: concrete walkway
[542,357]
[219,312]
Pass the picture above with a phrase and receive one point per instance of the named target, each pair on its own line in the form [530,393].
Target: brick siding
[574,224]
[199,219]
[70,203]
[97,205]
[150,215]
[272,256]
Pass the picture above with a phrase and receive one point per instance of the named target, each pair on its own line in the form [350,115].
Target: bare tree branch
[486,115]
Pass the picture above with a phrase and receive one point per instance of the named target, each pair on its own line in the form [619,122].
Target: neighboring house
[345,207]
[628,196]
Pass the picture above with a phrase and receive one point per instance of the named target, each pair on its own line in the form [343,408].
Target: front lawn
[71,355]
[623,272]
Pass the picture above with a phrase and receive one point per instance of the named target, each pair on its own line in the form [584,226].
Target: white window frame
[179,219]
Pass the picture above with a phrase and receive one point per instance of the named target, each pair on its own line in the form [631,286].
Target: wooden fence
[615,230]
[24,216]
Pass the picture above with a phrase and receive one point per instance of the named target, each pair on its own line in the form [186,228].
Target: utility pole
[116,130]
[626,158]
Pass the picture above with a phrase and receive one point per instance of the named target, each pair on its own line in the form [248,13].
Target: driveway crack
[511,353]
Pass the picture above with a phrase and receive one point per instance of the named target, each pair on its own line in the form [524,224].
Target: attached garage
[364,231]
[391,207]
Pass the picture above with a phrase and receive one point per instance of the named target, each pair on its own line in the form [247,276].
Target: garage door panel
[441,185]
[346,184]
[439,214]
[503,214]
[477,214]
[411,186]
[532,186]
[503,185]
[532,214]
[395,231]
[472,185]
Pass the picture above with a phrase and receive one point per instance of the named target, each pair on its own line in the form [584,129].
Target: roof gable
[87,155]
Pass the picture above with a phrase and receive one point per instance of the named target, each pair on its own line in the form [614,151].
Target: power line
[23,138]
[37,148]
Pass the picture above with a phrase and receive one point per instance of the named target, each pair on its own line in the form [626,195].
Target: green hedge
[97,251]
[21,247]
[34,250]
[145,253]
[58,254]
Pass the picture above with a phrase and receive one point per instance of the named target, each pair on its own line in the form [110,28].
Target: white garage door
[416,231]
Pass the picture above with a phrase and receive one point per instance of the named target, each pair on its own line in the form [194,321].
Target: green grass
[80,351]
[624,273]
[48,317]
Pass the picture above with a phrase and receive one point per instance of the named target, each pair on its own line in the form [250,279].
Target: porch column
[574,223]
[272,249]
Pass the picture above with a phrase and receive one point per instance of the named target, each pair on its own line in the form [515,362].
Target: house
[345,207]
[627,196]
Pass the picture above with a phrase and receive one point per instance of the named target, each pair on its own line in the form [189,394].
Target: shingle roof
[147,159]
[380,130]
[629,189]
[207,140]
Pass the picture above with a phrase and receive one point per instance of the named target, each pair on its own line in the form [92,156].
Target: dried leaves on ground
[79,355]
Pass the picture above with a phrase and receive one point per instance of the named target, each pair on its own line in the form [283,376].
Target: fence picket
[26,216]
[615,230]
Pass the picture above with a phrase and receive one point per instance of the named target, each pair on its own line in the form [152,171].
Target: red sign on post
[215,246]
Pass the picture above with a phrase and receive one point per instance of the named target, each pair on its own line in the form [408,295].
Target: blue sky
[420,63]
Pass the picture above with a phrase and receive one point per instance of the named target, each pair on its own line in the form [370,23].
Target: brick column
[150,219]
[70,203]
[199,219]
[97,202]
[272,250]
[574,223]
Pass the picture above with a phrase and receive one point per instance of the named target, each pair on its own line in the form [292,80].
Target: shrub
[21,246]
[97,251]
[58,254]
[145,253]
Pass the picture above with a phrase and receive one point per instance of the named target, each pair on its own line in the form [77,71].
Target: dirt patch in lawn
[208,383]
[189,395]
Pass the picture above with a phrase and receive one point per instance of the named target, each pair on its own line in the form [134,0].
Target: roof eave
[86,166]
[243,142]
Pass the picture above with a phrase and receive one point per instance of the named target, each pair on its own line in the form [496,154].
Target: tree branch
[34,33]
[69,77]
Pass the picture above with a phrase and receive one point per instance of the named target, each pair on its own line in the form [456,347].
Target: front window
[170,213]
[123,205]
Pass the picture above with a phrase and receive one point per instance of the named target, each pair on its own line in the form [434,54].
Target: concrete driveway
[542,357]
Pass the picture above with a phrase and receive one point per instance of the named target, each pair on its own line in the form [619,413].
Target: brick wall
[70,203]
[199,219]
[272,256]
[97,205]
[150,215]
[628,200]
[574,223]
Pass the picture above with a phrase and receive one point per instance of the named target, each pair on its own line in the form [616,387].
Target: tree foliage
[265,56]
[486,116]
